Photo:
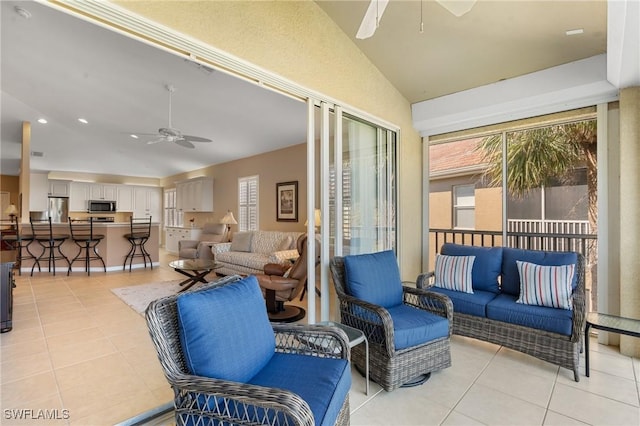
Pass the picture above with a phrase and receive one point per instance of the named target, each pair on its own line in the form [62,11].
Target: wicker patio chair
[391,367]
[212,401]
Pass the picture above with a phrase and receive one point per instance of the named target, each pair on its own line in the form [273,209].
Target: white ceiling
[61,68]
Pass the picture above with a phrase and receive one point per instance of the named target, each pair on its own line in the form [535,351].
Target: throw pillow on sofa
[454,272]
[545,285]
[241,241]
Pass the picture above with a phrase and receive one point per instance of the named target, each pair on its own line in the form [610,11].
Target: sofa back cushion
[374,278]
[242,241]
[225,332]
[486,267]
[267,242]
[511,275]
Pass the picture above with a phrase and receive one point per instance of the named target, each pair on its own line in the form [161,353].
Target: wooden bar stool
[82,234]
[43,233]
[139,235]
[18,242]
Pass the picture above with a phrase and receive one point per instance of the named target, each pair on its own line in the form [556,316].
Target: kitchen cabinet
[147,201]
[38,192]
[174,235]
[100,191]
[124,198]
[59,188]
[78,196]
[195,195]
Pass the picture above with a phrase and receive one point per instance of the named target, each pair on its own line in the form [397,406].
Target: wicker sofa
[249,251]
[491,312]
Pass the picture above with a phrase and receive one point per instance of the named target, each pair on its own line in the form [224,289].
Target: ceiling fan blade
[196,138]
[184,143]
[154,141]
[371,18]
[457,7]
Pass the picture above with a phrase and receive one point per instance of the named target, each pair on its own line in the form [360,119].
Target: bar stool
[19,242]
[43,233]
[140,233]
[82,234]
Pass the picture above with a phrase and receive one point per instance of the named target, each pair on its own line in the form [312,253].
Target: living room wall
[10,184]
[283,165]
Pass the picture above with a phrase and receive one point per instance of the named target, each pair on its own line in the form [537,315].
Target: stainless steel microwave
[102,206]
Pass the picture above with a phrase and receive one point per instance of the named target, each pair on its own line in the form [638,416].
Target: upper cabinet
[59,188]
[38,192]
[101,191]
[147,201]
[195,195]
[124,198]
[78,196]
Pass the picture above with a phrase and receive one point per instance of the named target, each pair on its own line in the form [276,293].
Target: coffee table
[195,269]
[611,323]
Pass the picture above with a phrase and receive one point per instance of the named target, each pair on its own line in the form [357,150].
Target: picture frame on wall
[287,201]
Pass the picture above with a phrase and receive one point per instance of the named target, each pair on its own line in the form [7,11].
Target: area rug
[138,297]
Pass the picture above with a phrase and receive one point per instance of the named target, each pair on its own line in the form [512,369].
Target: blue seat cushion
[225,332]
[486,267]
[413,326]
[322,382]
[374,278]
[504,308]
[511,276]
[468,303]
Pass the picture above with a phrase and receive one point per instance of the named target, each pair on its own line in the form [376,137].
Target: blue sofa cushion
[511,276]
[322,382]
[486,268]
[504,308]
[374,278]
[413,326]
[454,272]
[225,332]
[466,303]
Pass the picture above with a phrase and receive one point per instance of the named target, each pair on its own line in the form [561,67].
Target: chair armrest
[317,340]
[221,248]
[198,396]
[431,301]
[183,244]
[275,269]
[425,280]
[283,256]
[205,250]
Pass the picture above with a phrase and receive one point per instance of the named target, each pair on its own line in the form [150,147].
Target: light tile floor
[84,357]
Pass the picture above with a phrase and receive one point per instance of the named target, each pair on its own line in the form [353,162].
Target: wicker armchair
[212,401]
[390,366]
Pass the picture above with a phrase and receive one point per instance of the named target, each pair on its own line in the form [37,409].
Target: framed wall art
[287,201]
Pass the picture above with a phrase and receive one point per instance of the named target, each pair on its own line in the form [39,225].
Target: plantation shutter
[248,198]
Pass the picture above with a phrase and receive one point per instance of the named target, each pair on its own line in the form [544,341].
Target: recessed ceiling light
[42,121]
[83,121]
[134,136]
[574,32]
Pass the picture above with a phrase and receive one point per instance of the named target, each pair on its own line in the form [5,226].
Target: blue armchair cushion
[511,275]
[468,303]
[504,308]
[486,268]
[322,382]
[374,278]
[225,332]
[413,326]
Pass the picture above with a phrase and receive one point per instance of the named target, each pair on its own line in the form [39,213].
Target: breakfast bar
[113,248]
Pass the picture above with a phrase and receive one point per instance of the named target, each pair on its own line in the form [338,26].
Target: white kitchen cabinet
[59,188]
[101,191]
[124,198]
[78,196]
[174,235]
[147,201]
[38,192]
[195,195]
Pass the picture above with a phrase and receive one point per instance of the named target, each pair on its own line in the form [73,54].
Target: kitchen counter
[113,248]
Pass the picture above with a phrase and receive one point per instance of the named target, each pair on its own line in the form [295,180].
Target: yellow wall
[297,40]
[10,184]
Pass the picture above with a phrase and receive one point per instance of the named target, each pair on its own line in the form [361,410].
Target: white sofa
[249,251]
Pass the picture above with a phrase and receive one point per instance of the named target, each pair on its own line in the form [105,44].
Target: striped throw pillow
[545,285]
[454,272]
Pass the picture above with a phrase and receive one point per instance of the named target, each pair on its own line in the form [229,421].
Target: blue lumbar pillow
[225,332]
[374,278]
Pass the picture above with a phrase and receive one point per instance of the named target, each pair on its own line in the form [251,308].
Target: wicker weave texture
[389,367]
[206,401]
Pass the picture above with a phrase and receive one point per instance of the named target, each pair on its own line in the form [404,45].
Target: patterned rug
[138,297]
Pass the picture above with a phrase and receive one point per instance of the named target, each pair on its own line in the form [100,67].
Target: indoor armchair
[227,364]
[212,233]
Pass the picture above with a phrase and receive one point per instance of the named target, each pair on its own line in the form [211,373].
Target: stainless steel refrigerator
[59,209]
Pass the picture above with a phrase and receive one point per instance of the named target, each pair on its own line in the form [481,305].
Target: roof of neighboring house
[455,156]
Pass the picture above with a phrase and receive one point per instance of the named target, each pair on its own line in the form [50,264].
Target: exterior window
[464,206]
[248,203]
[172,215]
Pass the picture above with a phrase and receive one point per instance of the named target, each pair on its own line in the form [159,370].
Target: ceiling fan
[171,134]
[376,8]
